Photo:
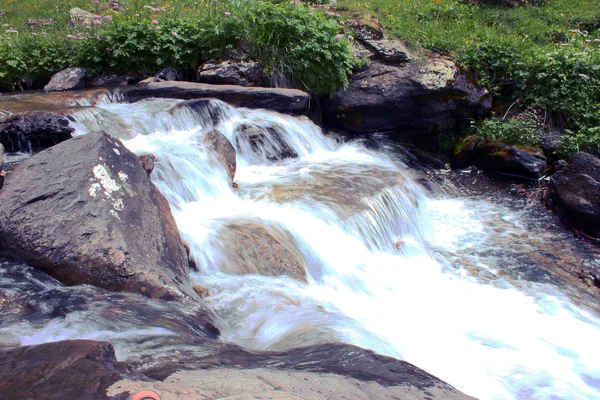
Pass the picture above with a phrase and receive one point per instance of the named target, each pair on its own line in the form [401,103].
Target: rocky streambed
[267,259]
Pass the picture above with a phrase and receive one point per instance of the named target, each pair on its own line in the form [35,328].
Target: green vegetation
[548,56]
[290,40]
[523,128]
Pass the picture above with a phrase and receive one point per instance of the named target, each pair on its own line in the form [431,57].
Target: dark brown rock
[148,162]
[67,79]
[72,369]
[575,191]
[222,151]
[505,159]
[168,74]
[85,211]
[113,80]
[419,98]
[232,72]
[285,100]
[32,131]
[266,143]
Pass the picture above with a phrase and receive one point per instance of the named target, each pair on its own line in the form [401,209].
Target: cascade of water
[386,266]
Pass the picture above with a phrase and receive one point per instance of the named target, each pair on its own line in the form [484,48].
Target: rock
[86,212]
[369,28]
[331,358]
[152,79]
[39,22]
[575,191]
[284,100]
[268,383]
[77,16]
[71,369]
[67,79]
[117,6]
[510,160]
[419,98]
[388,50]
[262,145]
[148,162]
[223,151]
[550,140]
[168,74]
[251,247]
[32,131]
[231,72]
[1,165]
[113,80]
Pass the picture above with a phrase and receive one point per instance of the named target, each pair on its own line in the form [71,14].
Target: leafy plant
[524,129]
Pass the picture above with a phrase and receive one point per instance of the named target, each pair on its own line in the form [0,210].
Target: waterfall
[385,264]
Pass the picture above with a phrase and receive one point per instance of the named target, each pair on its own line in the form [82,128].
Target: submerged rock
[285,100]
[419,98]
[575,192]
[510,160]
[34,130]
[85,211]
[222,151]
[67,79]
[251,247]
[266,144]
[71,369]
[231,72]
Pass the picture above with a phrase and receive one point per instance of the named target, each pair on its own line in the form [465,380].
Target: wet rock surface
[222,152]
[419,98]
[34,131]
[67,79]
[285,100]
[263,249]
[76,369]
[576,192]
[510,160]
[85,211]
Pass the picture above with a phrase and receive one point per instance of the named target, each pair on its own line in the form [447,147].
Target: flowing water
[431,276]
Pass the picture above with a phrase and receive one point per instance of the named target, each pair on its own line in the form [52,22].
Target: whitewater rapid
[389,266]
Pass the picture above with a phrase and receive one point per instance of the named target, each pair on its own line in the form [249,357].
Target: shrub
[291,41]
[525,128]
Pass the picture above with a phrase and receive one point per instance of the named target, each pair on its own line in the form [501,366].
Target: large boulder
[67,79]
[231,72]
[284,100]
[86,212]
[419,98]
[505,159]
[72,369]
[575,191]
[32,131]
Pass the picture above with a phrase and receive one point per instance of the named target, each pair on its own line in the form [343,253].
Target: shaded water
[448,282]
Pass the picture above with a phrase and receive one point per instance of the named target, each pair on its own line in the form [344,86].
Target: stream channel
[410,263]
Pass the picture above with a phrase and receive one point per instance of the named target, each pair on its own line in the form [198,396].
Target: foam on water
[388,267]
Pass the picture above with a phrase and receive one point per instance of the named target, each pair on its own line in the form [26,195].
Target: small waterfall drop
[385,265]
